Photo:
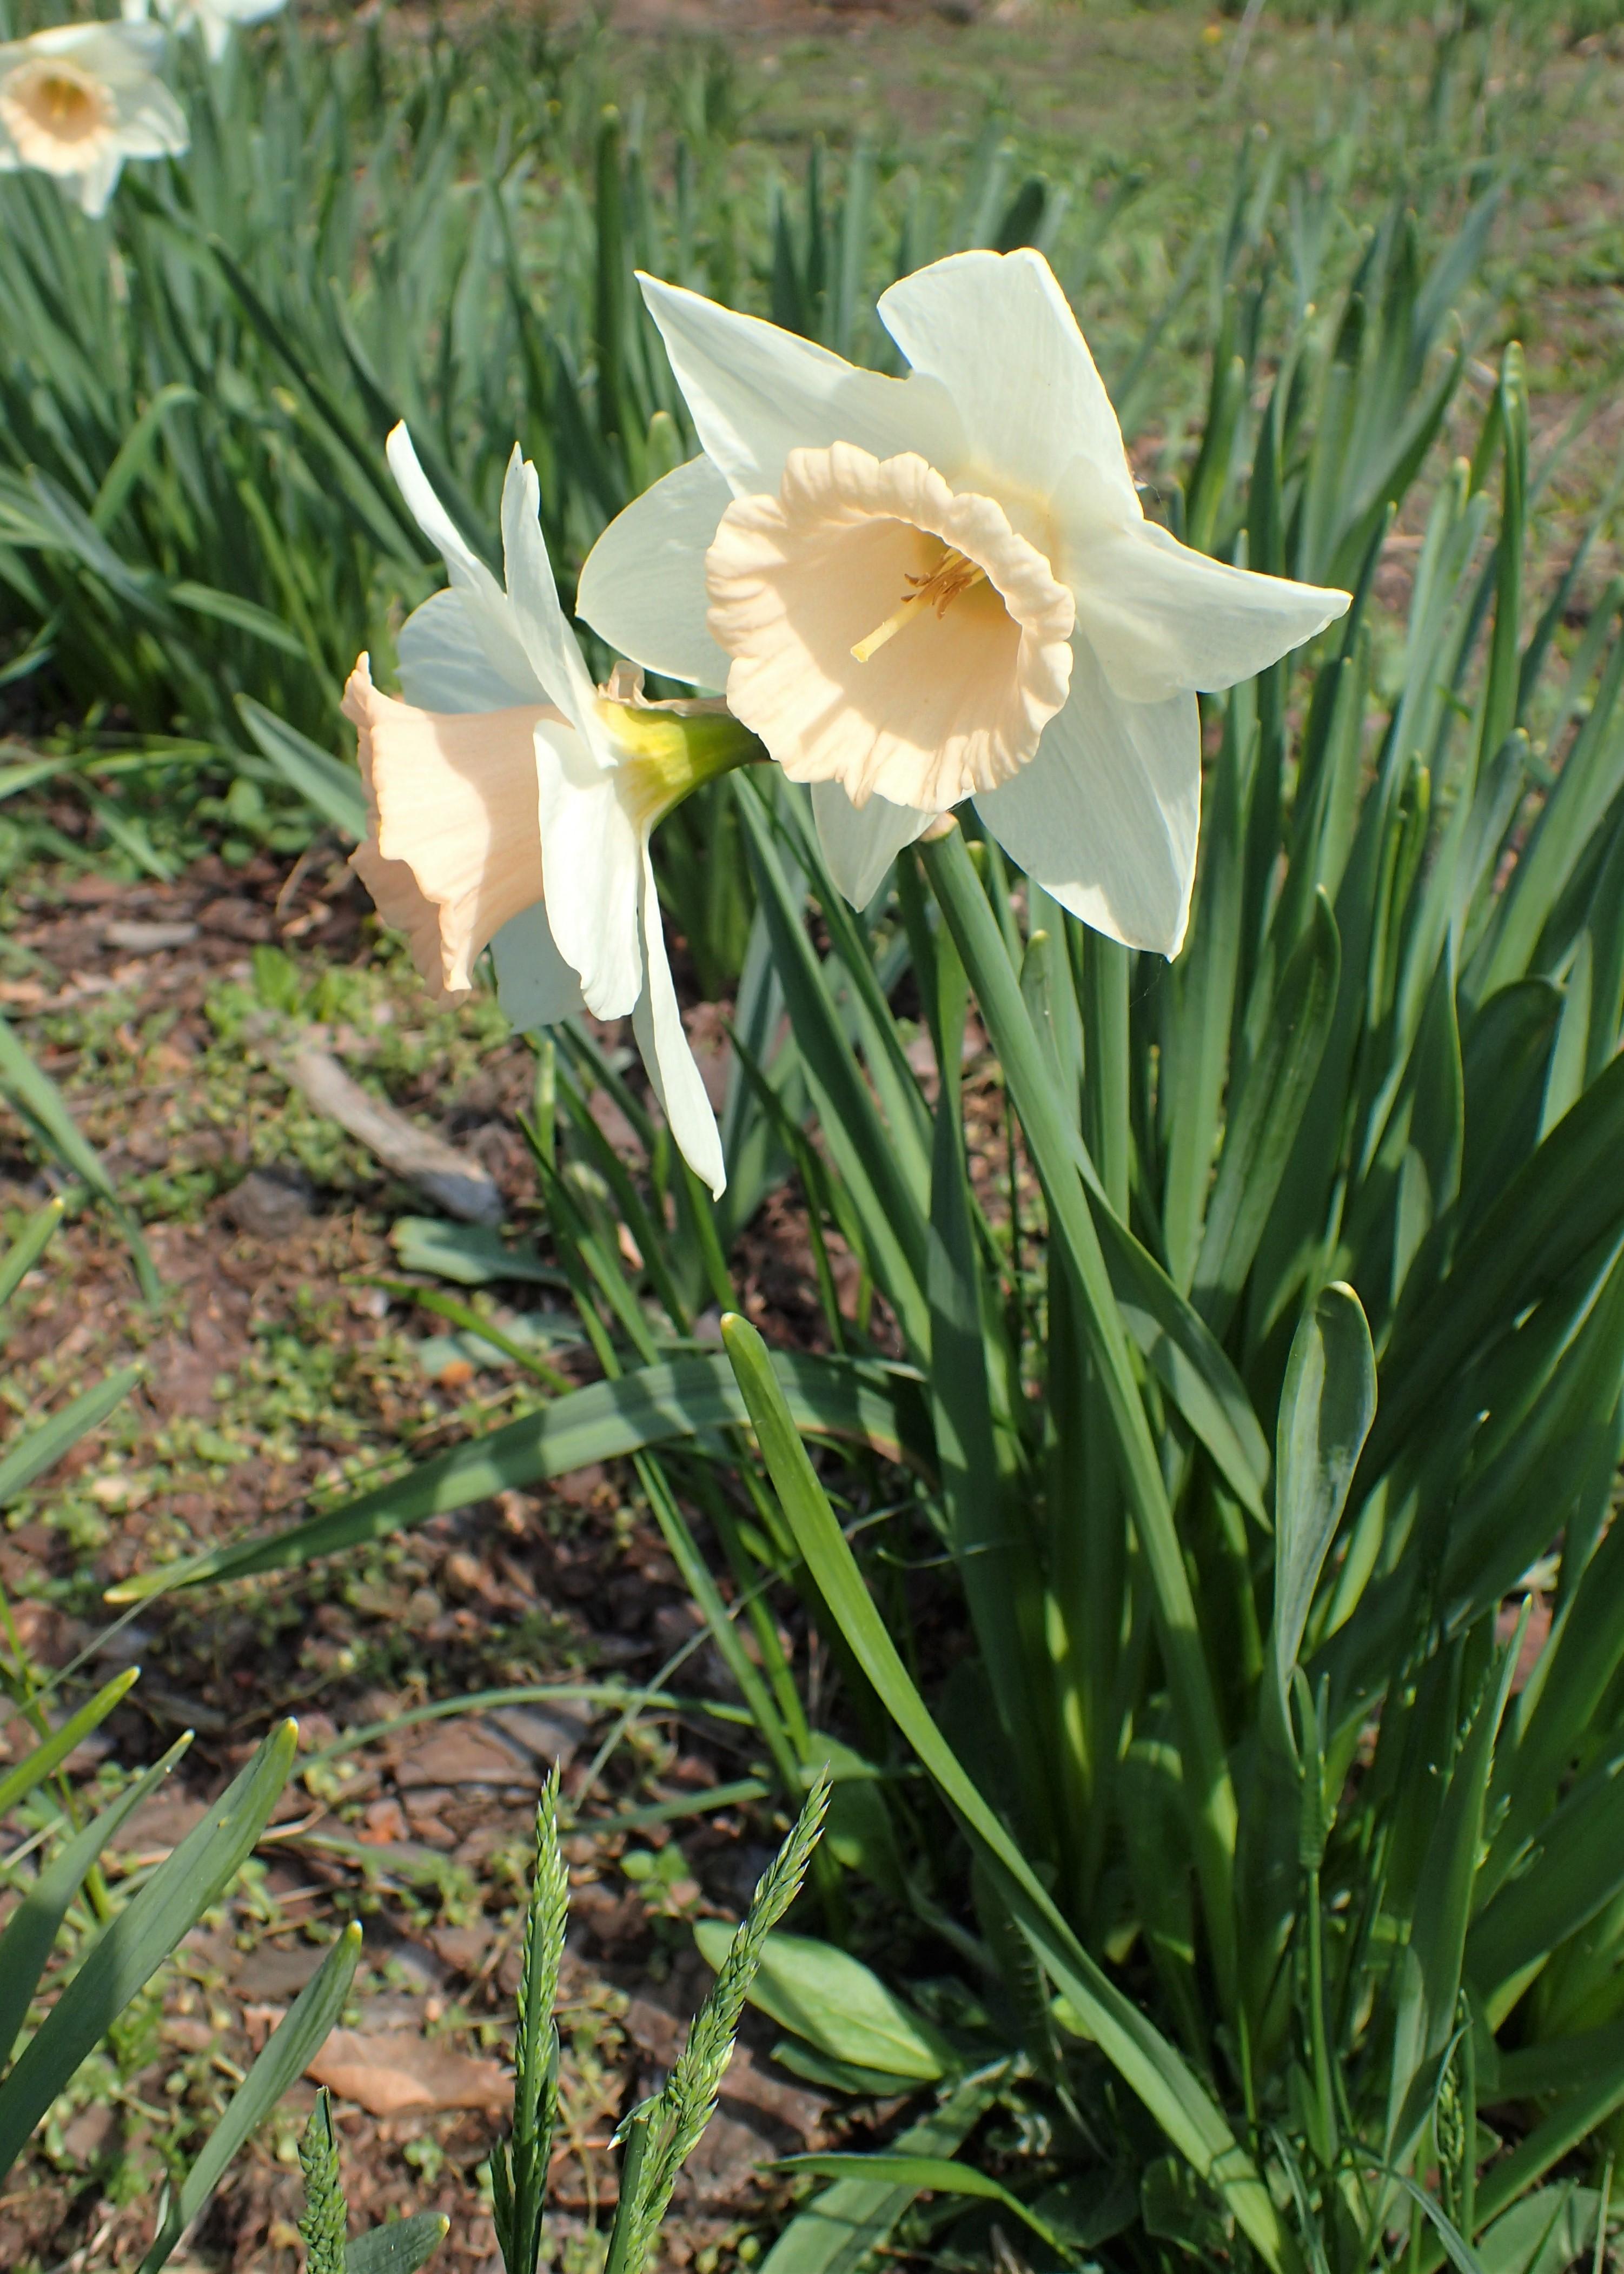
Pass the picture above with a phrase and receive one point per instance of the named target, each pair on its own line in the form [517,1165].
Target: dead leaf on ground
[464,1754]
[387,2071]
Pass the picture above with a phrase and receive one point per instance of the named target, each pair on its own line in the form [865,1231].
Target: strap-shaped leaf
[838,2005]
[1057,1154]
[1148,2063]
[988,1512]
[1564,1199]
[884,1185]
[1426,2019]
[680,1398]
[930,2175]
[1264,1119]
[1326,1406]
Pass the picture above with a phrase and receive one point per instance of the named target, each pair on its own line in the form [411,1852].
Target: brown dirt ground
[263,1227]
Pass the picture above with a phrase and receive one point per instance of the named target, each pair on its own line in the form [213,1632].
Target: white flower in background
[214,20]
[921,590]
[512,803]
[77,100]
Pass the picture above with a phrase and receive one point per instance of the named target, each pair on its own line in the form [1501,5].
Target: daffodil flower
[921,589]
[77,100]
[212,21]
[511,801]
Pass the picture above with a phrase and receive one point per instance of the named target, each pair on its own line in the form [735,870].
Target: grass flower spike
[77,100]
[212,21]
[918,590]
[512,802]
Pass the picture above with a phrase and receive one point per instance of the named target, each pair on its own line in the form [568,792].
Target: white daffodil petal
[490,612]
[1106,816]
[534,985]
[643,585]
[104,49]
[150,123]
[1163,619]
[444,667]
[860,842]
[592,866]
[98,182]
[998,333]
[757,393]
[550,645]
[657,1022]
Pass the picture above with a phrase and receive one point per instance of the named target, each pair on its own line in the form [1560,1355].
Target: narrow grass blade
[38,1097]
[32,1927]
[135,1944]
[26,1249]
[285,2056]
[37,1451]
[39,1764]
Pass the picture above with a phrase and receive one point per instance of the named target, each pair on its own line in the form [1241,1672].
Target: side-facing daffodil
[77,100]
[511,801]
[212,21]
[921,589]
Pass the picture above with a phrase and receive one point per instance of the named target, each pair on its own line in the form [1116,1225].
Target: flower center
[952,574]
[793,580]
[64,104]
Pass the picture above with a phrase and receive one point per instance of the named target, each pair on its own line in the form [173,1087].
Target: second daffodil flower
[922,590]
[512,802]
[212,21]
[77,100]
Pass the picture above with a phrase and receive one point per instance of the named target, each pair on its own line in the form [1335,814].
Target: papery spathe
[922,590]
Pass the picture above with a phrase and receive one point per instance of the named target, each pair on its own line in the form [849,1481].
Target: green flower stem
[1104,996]
[1054,1151]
